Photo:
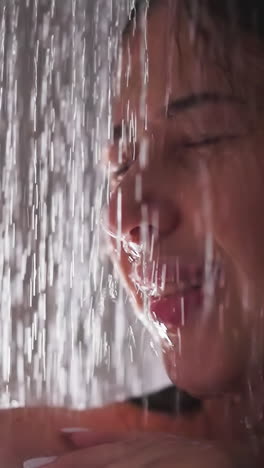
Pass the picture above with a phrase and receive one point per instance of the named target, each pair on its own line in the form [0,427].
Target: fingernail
[38,462]
[73,430]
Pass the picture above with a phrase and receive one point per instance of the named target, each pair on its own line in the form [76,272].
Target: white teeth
[155,289]
[170,290]
[167,290]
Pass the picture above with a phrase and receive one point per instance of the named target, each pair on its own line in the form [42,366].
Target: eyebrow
[186,103]
[197,100]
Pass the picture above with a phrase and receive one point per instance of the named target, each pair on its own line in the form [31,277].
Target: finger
[85,439]
[95,457]
[114,454]
[131,453]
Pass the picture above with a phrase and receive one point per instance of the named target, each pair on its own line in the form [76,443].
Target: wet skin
[206,145]
[36,432]
[204,174]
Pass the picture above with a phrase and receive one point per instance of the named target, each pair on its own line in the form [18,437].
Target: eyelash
[208,141]
[121,170]
[130,156]
[188,145]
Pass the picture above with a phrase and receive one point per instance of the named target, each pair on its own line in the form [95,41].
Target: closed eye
[121,170]
[207,141]
[204,141]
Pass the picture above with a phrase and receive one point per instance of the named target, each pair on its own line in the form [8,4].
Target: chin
[204,379]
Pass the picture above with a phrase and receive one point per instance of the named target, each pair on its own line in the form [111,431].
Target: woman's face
[186,207]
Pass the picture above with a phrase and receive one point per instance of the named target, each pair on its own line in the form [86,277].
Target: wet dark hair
[218,28]
[245,14]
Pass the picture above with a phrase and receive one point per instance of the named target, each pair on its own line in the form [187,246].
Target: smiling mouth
[170,290]
[172,303]
[176,310]
[165,283]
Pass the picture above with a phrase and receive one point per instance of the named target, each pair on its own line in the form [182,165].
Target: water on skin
[59,341]
[67,333]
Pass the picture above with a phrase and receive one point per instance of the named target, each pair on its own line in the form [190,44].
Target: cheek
[237,204]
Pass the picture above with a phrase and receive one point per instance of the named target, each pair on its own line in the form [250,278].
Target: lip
[175,310]
[176,291]
[168,277]
[170,270]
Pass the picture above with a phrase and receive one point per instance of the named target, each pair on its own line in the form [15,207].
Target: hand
[141,450]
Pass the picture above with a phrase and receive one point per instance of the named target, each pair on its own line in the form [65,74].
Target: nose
[155,214]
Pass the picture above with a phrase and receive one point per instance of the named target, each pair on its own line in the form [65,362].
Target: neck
[239,416]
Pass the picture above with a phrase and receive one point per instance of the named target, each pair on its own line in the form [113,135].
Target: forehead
[159,62]
[143,62]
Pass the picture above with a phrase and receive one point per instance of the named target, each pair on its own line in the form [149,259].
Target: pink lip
[175,310]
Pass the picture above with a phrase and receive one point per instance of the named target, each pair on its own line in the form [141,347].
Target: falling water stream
[68,334]
[64,336]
